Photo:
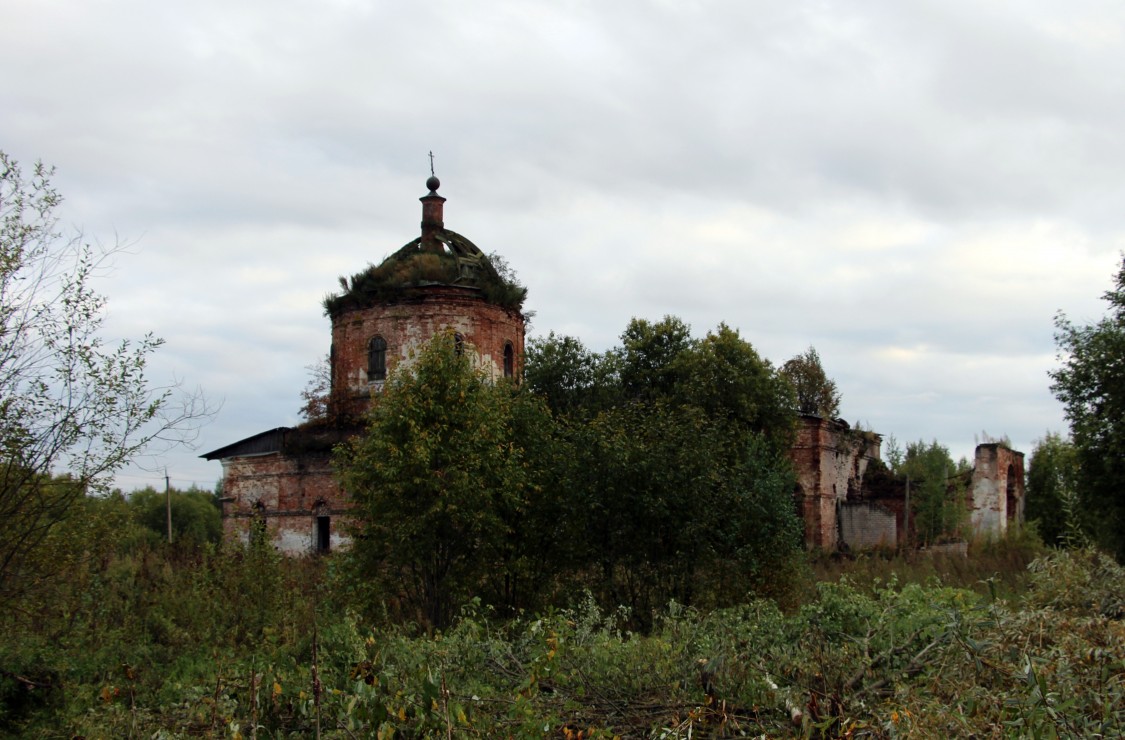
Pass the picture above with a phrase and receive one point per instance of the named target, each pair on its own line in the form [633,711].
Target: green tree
[816,392]
[680,475]
[1052,479]
[726,377]
[560,370]
[651,357]
[672,503]
[1091,386]
[937,493]
[439,480]
[195,517]
[893,454]
[69,400]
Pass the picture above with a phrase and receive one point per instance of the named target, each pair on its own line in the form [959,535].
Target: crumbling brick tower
[440,281]
[279,483]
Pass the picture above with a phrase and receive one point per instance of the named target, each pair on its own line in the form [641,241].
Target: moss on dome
[457,262]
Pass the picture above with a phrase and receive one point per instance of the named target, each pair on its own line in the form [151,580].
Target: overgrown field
[231,643]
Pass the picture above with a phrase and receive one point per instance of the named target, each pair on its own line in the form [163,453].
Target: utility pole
[168,503]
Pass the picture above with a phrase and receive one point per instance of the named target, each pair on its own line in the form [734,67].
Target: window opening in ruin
[323,532]
[377,359]
[509,360]
[459,343]
[1012,502]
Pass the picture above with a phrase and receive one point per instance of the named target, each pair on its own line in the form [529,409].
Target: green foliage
[69,400]
[893,454]
[1080,582]
[439,480]
[1052,490]
[561,371]
[816,393]
[501,285]
[670,504]
[662,475]
[401,274]
[671,480]
[653,357]
[721,374]
[937,492]
[730,381]
[233,641]
[1091,386]
[121,632]
[196,517]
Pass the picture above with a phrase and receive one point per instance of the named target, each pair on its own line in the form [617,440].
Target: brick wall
[409,324]
[830,461]
[996,490]
[286,494]
[865,524]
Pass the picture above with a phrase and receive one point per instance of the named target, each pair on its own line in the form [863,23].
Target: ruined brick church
[279,483]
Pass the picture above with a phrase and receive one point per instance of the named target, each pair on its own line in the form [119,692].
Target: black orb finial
[433,183]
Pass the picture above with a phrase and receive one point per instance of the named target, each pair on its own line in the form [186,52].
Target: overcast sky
[914,188]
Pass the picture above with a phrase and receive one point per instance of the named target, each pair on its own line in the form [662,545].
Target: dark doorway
[323,532]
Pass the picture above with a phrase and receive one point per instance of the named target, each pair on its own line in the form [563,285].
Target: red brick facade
[996,491]
[843,507]
[488,331]
[287,495]
[830,460]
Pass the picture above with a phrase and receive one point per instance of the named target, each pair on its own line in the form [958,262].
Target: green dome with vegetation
[448,260]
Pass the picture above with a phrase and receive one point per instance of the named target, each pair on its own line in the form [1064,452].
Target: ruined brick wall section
[865,524]
[1012,462]
[996,491]
[813,457]
[830,462]
[408,325]
[289,493]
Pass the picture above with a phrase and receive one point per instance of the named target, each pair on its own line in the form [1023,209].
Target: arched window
[509,360]
[377,359]
[459,343]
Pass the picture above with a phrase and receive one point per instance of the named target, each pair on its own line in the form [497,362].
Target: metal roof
[262,443]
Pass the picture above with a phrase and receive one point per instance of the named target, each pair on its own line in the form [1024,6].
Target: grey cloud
[934,179]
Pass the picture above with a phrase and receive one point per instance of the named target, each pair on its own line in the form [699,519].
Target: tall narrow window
[459,343]
[509,360]
[377,359]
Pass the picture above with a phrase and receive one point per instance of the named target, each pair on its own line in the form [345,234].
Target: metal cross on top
[431,162]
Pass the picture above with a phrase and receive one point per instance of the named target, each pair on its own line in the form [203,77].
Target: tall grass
[994,565]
